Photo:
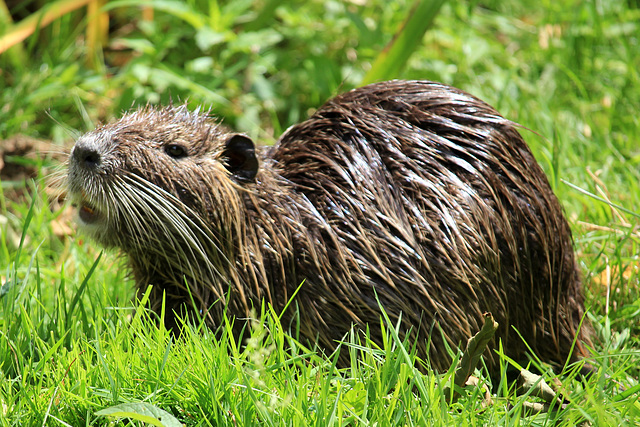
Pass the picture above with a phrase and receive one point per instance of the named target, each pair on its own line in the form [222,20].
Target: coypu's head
[153,175]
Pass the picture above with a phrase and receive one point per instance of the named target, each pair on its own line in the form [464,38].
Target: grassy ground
[72,341]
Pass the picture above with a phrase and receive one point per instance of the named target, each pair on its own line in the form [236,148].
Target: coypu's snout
[93,154]
[88,168]
[86,155]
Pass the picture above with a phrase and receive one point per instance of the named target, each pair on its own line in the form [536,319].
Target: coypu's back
[436,202]
[411,192]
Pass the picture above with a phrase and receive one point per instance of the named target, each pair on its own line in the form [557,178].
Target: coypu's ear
[240,158]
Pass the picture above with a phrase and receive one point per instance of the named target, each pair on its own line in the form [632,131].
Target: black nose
[86,156]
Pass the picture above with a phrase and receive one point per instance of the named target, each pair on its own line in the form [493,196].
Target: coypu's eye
[176,151]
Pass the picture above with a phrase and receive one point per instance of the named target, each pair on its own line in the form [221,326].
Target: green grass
[73,341]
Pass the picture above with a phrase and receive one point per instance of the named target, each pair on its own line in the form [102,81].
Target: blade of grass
[29,268]
[97,29]
[141,411]
[179,9]
[27,221]
[16,54]
[12,272]
[5,16]
[396,54]
[40,19]
[600,199]
[407,358]
[113,389]
[265,16]
[76,297]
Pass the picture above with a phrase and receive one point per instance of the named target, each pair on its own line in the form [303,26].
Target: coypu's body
[414,193]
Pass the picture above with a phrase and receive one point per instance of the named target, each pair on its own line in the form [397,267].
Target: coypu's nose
[86,155]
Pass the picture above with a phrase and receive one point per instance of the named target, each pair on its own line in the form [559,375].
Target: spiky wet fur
[414,191]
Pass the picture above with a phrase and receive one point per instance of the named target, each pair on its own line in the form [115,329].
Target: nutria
[412,193]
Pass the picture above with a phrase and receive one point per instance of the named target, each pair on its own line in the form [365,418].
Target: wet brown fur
[414,191]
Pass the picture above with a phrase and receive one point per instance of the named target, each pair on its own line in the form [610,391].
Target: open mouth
[88,214]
